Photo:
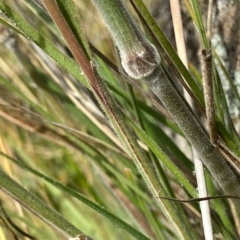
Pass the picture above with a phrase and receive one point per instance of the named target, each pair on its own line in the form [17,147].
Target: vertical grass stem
[193,131]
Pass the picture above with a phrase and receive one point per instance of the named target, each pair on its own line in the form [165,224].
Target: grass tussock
[68,143]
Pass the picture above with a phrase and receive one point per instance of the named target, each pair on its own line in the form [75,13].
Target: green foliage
[85,151]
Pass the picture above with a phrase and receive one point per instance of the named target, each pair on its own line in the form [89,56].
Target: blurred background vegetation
[52,123]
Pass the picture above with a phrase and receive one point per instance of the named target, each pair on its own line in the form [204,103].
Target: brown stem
[74,46]
[206,62]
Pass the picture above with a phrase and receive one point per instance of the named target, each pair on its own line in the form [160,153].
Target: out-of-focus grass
[85,167]
[52,123]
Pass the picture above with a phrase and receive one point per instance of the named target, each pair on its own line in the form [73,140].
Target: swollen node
[140,64]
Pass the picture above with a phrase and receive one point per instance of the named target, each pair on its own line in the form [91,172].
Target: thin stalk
[150,154]
[203,192]
[69,36]
[209,20]
[220,206]
[134,105]
[178,31]
[199,23]
[206,62]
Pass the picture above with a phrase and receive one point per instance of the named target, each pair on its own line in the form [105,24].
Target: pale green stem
[193,131]
[138,56]
[160,85]
[198,164]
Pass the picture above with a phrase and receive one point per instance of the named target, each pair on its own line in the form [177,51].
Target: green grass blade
[117,221]
[199,23]
[37,206]
[164,159]
[34,35]
[71,15]
[170,210]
